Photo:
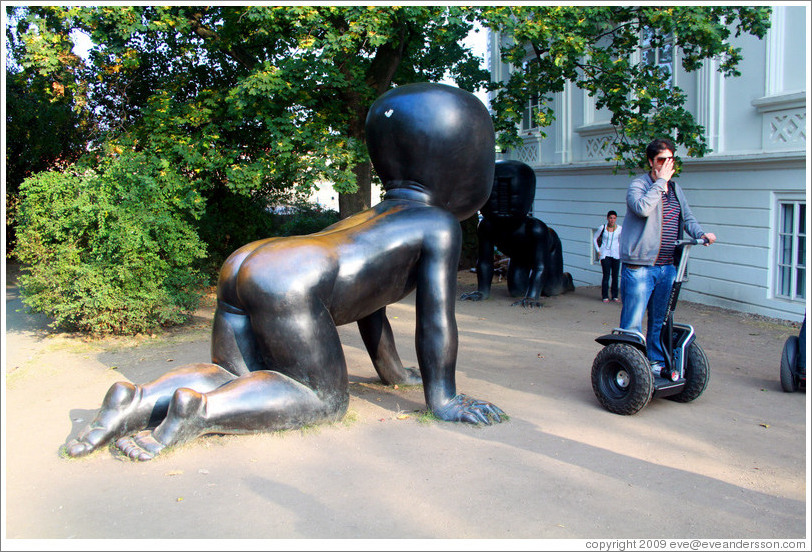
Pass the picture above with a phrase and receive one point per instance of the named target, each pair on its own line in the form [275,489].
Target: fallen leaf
[402,416]
[180,499]
[174,472]
[764,425]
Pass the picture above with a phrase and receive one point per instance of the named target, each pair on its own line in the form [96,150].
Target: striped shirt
[670,229]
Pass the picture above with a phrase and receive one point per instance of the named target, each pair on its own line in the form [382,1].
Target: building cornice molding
[594,129]
[730,163]
[791,100]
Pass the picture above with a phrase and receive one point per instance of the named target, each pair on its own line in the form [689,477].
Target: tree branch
[235,51]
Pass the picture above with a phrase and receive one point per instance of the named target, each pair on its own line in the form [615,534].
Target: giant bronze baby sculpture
[277,361]
[536,265]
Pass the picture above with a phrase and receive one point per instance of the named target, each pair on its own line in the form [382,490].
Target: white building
[751,191]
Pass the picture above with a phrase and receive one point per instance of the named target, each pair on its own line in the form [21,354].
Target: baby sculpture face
[436,139]
[514,188]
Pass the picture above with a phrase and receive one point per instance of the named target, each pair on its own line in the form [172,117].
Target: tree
[46,127]
[595,47]
[256,99]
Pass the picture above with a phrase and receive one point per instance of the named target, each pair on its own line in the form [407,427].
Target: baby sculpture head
[514,188]
[436,139]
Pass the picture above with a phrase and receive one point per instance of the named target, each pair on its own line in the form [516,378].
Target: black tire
[697,375]
[789,358]
[622,379]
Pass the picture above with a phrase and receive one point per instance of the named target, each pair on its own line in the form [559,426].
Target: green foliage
[110,250]
[232,220]
[262,100]
[306,219]
[595,48]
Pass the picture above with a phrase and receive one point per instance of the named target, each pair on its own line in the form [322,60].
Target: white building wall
[756,124]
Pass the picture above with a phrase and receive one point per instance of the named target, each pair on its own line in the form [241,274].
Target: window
[790,262]
[661,55]
[530,112]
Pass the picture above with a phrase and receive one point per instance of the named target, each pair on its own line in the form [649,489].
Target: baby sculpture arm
[436,334]
[484,263]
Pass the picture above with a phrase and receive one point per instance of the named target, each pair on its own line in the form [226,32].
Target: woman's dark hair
[610,213]
[658,145]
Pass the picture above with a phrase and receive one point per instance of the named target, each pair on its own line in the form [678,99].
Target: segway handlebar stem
[685,245]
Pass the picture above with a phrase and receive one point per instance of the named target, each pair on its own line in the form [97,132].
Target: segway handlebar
[682,266]
[692,241]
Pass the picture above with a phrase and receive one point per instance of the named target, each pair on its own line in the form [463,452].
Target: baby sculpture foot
[142,446]
[463,408]
[117,416]
[183,423]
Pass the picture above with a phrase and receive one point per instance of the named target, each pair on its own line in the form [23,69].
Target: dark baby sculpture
[536,265]
[277,362]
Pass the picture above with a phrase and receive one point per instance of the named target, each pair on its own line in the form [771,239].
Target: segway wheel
[697,375]
[789,357]
[622,379]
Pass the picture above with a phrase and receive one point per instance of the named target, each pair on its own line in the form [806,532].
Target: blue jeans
[646,289]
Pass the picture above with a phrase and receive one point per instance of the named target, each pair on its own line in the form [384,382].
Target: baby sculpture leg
[380,344]
[303,376]
[128,407]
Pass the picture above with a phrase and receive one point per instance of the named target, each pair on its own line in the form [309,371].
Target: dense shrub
[110,250]
[232,220]
[306,219]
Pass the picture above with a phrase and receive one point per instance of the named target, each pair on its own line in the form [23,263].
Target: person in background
[607,243]
[657,215]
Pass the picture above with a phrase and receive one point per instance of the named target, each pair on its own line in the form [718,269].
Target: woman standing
[606,241]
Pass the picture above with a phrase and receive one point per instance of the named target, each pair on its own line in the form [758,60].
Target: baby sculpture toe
[463,408]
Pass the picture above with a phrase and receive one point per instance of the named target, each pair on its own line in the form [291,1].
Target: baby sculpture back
[277,361]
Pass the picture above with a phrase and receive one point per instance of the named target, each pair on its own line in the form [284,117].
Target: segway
[621,374]
[793,361]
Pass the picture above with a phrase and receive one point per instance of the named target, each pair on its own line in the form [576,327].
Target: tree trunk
[349,204]
[379,78]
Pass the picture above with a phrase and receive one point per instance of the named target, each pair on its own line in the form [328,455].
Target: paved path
[732,464]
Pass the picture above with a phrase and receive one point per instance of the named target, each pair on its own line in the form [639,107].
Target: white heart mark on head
[389,113]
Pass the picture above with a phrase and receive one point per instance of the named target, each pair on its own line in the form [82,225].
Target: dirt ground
[732,464]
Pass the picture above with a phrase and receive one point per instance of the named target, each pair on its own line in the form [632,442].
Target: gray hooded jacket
[642,226]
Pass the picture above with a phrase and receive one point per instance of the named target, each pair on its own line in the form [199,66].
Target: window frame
[669,41]
[796,266]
